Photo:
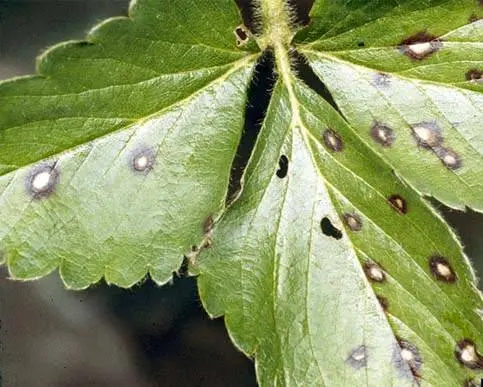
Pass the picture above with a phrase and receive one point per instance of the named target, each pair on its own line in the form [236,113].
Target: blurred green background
[145,336]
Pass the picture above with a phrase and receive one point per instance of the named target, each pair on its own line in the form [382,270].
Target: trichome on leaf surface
[327,263]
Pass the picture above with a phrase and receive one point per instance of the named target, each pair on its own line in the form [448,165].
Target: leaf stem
[278,34]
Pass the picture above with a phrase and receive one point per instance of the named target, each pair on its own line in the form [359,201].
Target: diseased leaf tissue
[330,266]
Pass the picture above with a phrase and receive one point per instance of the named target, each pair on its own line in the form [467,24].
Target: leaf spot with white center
[358,357]
[374,272]
[398,203]
[420,45]
[353,221]
[449,158]
[333,141]
[407,355]
[143,160]
[441,269]
[474,75]
[467,354]
[427,134]
[42,180]
[383,134]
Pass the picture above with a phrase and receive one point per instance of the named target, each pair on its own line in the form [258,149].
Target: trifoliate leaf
[330,267]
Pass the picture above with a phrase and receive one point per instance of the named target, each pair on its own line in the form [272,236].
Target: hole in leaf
[398,203]
[259,93]
[361,43]
[283,167]
[333,140]
[42,180]
[441,269]
[383,134]
[467,354]
[241,34]
[358,357]
[353,221]
[329,229]
[449,158]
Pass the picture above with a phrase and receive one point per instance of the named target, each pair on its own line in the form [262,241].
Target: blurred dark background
[105,336]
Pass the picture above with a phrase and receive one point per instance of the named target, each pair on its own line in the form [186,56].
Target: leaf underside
[330,268]
[136,88]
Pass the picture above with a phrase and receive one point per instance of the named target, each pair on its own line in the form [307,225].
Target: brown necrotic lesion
[333,141]
[474,75]
[407,355]
[467,354]
[353,221]
[441,269]
[383,134]
[427,134]
[398,203]
[420,45]
[374,272]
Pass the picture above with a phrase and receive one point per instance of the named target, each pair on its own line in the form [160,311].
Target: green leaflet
[375,78]
[330,268]
[299,300]
[141,88]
